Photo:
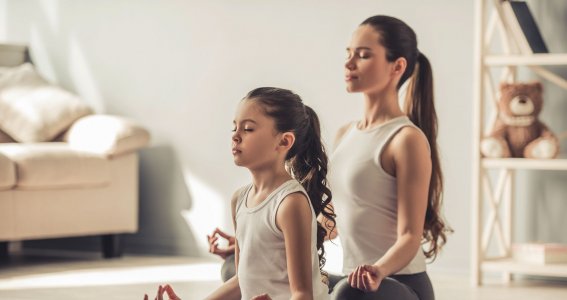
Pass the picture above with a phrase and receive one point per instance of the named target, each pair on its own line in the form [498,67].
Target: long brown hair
[400,40]
[307,159]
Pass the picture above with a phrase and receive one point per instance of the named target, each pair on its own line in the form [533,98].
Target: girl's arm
[230,289]
[293,218]
[412,161]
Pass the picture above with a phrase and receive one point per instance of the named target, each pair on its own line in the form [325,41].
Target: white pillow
[4,138]
[33,110]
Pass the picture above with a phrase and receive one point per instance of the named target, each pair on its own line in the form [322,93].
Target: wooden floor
[81,277]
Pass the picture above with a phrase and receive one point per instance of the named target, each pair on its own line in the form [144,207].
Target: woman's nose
[349,64]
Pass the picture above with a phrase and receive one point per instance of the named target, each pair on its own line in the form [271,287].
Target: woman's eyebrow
[359,48]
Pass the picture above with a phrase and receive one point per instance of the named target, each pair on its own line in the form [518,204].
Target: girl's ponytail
[309,167]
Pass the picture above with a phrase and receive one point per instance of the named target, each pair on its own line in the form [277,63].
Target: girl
[385,175]
[279,243]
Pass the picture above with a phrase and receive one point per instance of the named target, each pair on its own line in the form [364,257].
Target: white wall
[2,20]
[180,67]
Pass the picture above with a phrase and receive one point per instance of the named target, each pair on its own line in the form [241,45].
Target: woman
[385,173]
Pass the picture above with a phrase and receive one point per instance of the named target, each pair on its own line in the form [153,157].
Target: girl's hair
[400,40]
[307,159]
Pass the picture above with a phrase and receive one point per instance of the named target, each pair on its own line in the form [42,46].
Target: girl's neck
[380,108]
[267,180]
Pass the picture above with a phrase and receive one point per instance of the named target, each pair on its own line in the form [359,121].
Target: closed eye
[245,129]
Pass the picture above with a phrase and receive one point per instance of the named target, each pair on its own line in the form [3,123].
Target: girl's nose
[235,137]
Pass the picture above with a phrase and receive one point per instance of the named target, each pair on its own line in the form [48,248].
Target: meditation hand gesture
[214,246]
[165,289]
[366,278]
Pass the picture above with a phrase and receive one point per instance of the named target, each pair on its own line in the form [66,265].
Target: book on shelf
[540,253]
[523,27]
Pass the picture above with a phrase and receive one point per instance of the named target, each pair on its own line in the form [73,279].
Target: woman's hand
[262,297]
[214,245]
[366,278]
[167,289]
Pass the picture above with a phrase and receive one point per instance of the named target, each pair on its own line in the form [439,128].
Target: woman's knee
[343,291]
[389,289]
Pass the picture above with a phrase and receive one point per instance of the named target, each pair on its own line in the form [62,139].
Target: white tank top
[365,196]
[262,265]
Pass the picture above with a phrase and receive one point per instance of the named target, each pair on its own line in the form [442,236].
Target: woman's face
[255,139]
[366,67]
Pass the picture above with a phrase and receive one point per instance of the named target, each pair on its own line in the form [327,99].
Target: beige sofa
[84,182]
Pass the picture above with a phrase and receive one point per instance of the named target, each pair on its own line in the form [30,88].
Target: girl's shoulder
[238,195]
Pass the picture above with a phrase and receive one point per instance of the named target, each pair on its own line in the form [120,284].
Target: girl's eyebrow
[245,120]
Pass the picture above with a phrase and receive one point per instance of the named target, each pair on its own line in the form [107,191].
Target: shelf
[525,163]
[549,59]
[512,266]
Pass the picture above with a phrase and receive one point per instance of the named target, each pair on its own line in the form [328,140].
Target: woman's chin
[351,89]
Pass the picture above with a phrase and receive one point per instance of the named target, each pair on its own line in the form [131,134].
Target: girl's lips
[350,77]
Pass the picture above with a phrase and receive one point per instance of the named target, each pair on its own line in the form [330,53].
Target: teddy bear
[518,131]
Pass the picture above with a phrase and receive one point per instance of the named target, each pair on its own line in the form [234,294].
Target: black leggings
[400,287]
[395,287]
[228,269]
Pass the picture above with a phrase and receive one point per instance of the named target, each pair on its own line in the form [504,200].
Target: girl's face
[366,67]
[255,139]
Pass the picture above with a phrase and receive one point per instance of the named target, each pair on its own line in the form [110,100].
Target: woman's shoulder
[410,139]
[342,131]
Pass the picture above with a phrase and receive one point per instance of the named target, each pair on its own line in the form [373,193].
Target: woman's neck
[380,108]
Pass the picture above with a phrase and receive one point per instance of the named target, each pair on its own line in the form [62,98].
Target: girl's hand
[262,297]
[167,289]
[214,245]
[366,278]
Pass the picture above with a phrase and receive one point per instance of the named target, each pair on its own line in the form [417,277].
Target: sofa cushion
[55,165]
[106,135]
[8,172]
[33,110]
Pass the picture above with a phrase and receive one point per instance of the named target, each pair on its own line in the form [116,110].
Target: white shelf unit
[494,223]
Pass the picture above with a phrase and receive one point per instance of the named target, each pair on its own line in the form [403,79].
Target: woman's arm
[293,218]
[411,161]
[230,289]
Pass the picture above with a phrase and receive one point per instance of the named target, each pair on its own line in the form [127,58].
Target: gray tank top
[365,196]
[262,266]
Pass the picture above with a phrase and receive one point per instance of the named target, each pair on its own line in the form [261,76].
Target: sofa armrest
[107,135]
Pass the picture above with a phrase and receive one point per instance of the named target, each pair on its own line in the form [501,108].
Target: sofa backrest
[12,55]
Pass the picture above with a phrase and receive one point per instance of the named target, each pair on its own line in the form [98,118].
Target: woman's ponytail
[420,108]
